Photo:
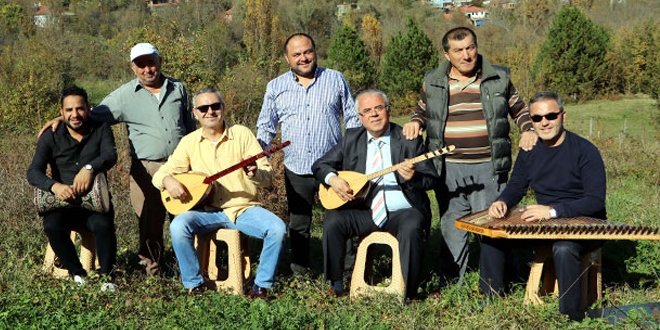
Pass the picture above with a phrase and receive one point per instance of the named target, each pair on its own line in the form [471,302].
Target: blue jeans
[255,221]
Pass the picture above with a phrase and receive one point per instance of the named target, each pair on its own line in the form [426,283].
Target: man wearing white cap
[158,114]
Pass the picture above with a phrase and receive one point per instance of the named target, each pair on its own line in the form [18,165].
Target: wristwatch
[530,129]
[88,167]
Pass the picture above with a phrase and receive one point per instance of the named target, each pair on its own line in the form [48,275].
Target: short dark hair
[545,96]
[458,33]
[73,90]
[299,34]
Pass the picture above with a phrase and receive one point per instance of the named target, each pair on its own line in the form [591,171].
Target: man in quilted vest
[466,102]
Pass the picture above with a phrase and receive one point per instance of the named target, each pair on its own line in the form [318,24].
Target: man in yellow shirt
[210,149]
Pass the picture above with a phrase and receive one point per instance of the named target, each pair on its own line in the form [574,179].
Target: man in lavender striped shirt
[307,103]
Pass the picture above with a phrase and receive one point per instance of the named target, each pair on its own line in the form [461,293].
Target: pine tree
[348,55]
[572,57]
[409,55]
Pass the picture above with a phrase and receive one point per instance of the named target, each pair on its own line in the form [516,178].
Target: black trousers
[567,258]
[58,225]
[406,225]
[300,190]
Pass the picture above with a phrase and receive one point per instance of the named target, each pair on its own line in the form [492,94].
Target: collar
[317,73]
[386,137]
[137,85]
[227,134]
[477,73]
[485,67]
[63,129]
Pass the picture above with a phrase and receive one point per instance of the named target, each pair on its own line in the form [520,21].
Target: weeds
[31,299]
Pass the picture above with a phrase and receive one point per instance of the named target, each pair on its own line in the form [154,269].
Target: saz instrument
[199,185]
[512,226]
[359,182]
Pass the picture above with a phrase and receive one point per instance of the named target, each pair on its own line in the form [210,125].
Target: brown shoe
[198,290]
[337,294]
[409,301]
[258,292]
[152,268]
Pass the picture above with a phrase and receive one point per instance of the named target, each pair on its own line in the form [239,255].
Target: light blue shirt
[156,124]
[394,198]
[308,117]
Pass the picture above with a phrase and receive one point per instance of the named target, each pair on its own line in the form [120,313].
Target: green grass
[31,299]
[633,117]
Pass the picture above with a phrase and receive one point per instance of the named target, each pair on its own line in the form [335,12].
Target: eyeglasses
[378,108]
[205,108]
[548,116]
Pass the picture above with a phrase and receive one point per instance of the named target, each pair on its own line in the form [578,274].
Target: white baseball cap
[142,49]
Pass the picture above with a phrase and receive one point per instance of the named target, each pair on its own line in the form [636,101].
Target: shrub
[408,56]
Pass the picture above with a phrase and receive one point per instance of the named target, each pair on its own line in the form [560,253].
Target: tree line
[582,49]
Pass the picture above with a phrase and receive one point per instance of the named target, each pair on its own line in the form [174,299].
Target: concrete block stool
[238,259]
[358,286]
[591,283]
[87,255]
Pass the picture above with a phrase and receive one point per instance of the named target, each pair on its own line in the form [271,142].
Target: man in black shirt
[76,152]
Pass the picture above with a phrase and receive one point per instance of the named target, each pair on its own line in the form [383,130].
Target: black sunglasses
[548,116]
[205,108]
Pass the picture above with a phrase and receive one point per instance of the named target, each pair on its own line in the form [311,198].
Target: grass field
[626,131]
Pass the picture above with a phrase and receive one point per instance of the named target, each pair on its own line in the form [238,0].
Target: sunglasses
[548,116]
[205,108]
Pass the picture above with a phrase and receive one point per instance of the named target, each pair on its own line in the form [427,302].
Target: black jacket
[351,155]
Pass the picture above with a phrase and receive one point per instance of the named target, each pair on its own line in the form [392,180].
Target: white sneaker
[109,287]
[79,280]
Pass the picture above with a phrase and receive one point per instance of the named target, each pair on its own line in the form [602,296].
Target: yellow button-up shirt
[234,192]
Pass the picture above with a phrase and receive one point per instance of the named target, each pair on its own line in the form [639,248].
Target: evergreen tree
[409,55]
[348,55]
[572,57]
[635,55]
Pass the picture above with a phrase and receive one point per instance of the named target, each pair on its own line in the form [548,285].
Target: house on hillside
[41,15]
[474,12]
[442,3]
[344,8]
[504,4]
[477,15]
[154,5]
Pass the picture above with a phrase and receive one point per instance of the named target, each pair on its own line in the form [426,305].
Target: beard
[76,127]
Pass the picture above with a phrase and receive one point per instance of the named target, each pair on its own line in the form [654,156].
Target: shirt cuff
[328,177]
[553,213]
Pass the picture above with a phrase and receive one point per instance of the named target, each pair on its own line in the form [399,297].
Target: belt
[162,160]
